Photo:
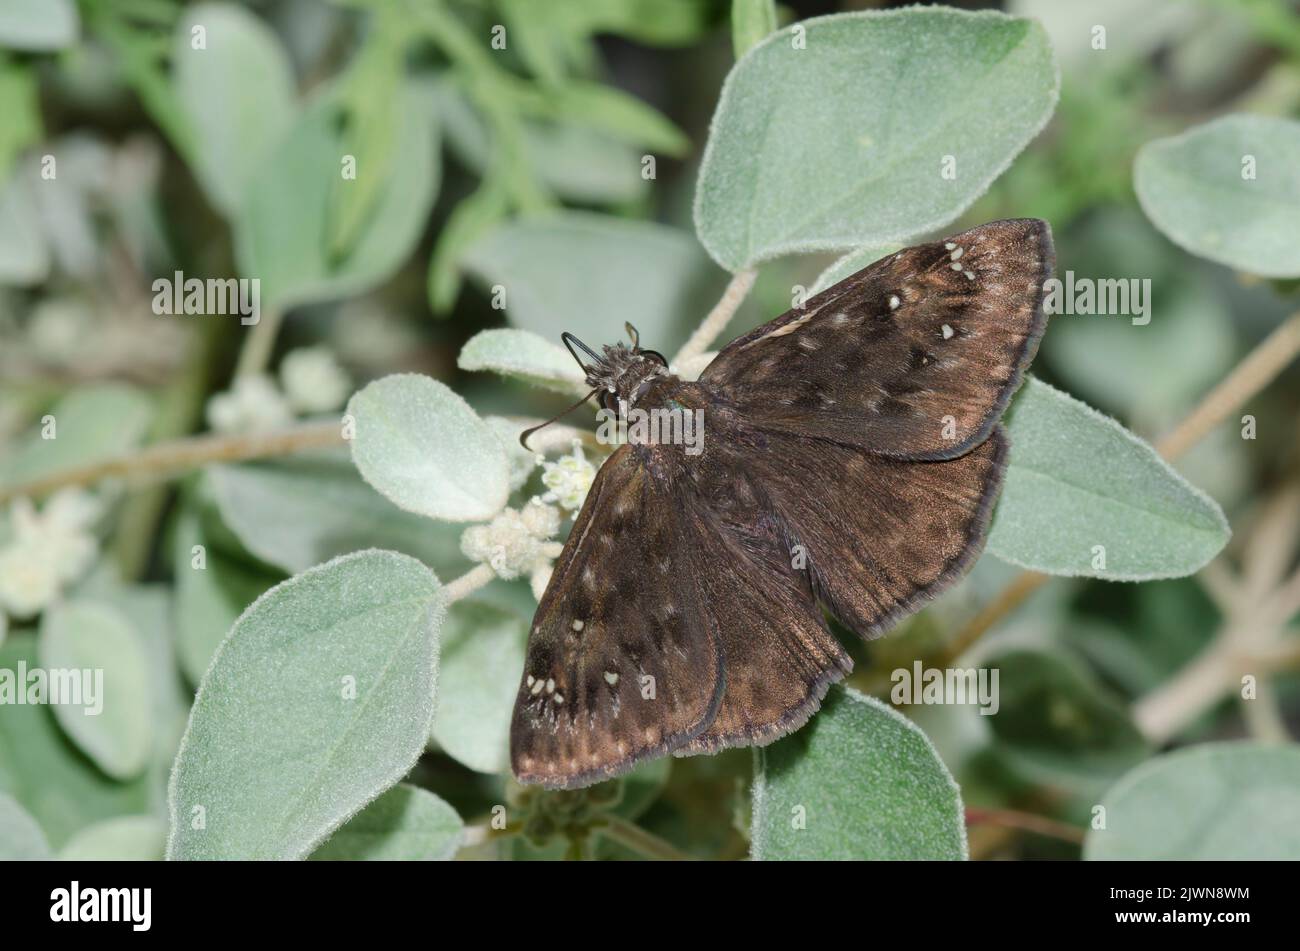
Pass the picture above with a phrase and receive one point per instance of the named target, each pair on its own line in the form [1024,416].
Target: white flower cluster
[311,381]
[568,479]
[516,542]
[46,551]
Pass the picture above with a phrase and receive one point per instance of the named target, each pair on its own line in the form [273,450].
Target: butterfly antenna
[524,436]
[633,334]
[569,340]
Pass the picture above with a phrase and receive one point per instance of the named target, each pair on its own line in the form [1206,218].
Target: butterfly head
[620,372]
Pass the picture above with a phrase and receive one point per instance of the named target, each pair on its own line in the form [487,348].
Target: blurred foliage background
[171,167]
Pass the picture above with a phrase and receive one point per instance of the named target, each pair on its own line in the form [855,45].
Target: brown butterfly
[852,459]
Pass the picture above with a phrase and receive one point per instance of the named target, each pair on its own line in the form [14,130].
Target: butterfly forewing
[915,356]
[621,661]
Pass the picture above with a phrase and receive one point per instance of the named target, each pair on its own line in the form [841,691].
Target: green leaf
[284,234]
[524,356]
[425,450]
[652,22]
[21,839]
[751,22]
[238,93]
[618,115]
[24,250]
[90,424]
[38,25]
[1217,801]
[113,722]
[472,218]
[53,780]
[1057,724]
[863,781]
[846,142]
[848,265]
[320,699]
[482,655]
[576,163]
[1228,190]
[20,105]
[404,824]
[1078,480]
[297,512]
[208,598]
[588,273]
[121,839]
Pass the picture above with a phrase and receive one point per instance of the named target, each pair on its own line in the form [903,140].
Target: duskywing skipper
[852,460]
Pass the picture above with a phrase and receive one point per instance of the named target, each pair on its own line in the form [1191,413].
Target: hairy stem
[1026,822]
[255,355]
[716,322]
[181,455]
[640,841]
[468,583]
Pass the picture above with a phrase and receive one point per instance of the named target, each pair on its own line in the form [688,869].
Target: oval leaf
[1220,801]
[238,92]
[482,654]
[588,273]
[1085,497]
[21,839]
[91,649]
[285,232]
[295,513]
[890,124]
[858,782]
[38,25]
[404,824]
[423,448]
[1229,191]
[523,356]
[122,839]
[321,698]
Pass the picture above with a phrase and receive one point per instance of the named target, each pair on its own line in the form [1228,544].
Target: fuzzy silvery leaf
[406,823]
[588,273]
[284,232]
[53,780]
[121,839]
[482,655]
[1216,801]
[38,25]
[21,839]
[297,512]
[840,135]
[91,423]
[860,781]
[522,355]
[423,448]
[1228,190]
[114,729]
[320,698]
[1085,497]
[238,94]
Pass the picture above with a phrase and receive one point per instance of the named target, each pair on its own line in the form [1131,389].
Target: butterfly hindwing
[622,663]
[914,356]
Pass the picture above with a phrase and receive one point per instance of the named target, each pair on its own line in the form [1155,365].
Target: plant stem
[468,583]
[1259,368]
[640,841]
[255,355]
[1027,822]
[181,455]
[737,290]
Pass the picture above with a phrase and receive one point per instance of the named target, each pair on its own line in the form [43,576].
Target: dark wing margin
[622,664]
[914,357]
